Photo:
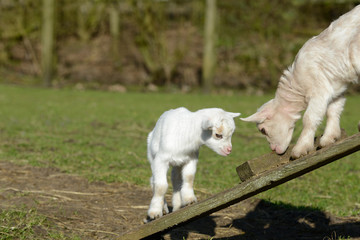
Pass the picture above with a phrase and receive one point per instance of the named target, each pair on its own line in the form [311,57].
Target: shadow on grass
[274,221]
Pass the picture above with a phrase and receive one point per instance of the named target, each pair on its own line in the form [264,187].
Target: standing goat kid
[175,141]
[316,81]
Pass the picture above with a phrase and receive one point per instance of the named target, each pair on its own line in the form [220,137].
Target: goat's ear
[256,118]
[207,124]
[233,115]
[266,111]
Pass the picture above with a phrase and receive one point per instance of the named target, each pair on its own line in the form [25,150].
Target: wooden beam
[249,188]
[270,161]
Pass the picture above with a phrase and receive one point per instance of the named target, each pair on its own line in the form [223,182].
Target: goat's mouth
[279,150]
[224,153]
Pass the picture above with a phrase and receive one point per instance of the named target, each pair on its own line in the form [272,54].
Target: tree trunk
[114,30]
[209,58]
[47,41]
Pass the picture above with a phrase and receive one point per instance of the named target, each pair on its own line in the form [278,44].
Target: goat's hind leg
[176,180]
[332,130]
[187,188]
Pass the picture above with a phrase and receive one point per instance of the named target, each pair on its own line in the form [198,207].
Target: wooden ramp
[257,177]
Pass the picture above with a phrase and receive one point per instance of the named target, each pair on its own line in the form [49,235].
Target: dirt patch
[99,210]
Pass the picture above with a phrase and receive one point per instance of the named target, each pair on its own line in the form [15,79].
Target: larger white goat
[316,81]
[175,141]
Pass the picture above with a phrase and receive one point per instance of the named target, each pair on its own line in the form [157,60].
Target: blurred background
[155,45]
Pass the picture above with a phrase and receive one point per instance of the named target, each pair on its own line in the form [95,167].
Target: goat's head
[218,130]
[276,124]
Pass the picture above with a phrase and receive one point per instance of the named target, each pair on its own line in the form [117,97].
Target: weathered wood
[262,164]
[270,161]
[249,188]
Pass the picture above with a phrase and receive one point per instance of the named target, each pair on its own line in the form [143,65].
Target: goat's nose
[272,146]
[229,149]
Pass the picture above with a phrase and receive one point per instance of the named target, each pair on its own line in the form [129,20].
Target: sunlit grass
[102,136]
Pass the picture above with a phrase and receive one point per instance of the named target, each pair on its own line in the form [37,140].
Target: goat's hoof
[326,141]
[297,155]
[155,213]
[165,209]
[152,217]
[148,219]
[298,152]
[189,201]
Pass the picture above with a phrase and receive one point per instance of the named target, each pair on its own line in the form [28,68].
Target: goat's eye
[219,136]
[263,131]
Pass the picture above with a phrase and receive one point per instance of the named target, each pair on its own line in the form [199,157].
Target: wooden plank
[249,188]
[262,164]
[270,161]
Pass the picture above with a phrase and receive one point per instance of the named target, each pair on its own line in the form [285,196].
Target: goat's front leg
[332,130]
[187,188]
[312,118]
[159,186]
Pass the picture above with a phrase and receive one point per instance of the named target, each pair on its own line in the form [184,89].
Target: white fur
[175,141]
[316,81]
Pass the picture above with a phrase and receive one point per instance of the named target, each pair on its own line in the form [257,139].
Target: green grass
[102,136]
[27,224]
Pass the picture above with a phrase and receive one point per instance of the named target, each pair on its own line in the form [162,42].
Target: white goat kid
[316,81]
[175,141]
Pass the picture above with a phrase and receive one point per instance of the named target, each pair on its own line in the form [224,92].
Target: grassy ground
[102,136]
[27,224]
